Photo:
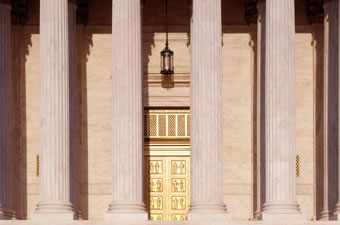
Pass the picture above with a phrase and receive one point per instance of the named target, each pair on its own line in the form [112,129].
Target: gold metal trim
[297,165]
[167,153]
[166,111]
[167,123]
[37,165]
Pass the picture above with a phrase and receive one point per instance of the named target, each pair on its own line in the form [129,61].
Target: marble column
[74,102]
[206,113]
[54,112]
[318,49]
[5,107]
[330,109]
[331,76]
[127,101]
[280,112]
[260,95]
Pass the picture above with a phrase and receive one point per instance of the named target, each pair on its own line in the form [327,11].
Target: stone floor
[102,222]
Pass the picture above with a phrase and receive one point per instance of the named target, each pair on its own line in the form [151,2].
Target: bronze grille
[167,123]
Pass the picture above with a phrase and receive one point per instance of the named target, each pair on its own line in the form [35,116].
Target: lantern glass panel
[172,62]
[167,62]
[162,61]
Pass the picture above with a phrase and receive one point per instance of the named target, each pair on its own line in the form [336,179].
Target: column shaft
[330,109]
[54,112]
[5,109]
[261,38]
[206,111]
[337,209]
[280,98]
[331,105]
[127,100]
[74,119]
[318,55]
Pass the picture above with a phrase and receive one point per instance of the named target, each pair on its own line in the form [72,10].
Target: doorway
[167,163]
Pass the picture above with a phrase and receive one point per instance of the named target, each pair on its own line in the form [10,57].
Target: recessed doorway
[167,163]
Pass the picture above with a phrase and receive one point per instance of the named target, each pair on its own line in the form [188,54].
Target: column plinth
[280,112]
[5,109]
[127,126]
[206,113]
[54,113]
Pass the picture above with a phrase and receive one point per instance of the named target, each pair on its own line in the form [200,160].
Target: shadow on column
[21,42]
[84,42]
[333,122]
[259,143]
[326,163]
[14,171]
[26,44]
[318,37]
[148,43]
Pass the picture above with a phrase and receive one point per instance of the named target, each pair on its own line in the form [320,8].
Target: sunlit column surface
[127,125]
[54,112]
[280,112]
[206,113]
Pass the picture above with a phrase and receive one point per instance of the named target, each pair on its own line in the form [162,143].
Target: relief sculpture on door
[167,164]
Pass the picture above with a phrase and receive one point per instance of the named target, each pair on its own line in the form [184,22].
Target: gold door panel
[167,184]
[167,164]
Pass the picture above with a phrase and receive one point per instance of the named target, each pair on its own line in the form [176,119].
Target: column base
[335,216]
[58,210]
[3,216]
[258,217]
[7,215]
[326,215]
[207,211]
[126,211]
[282,211]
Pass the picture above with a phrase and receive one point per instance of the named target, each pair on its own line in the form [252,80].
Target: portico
[96,81]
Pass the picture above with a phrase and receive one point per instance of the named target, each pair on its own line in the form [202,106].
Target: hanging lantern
[167,63]
[167,56]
